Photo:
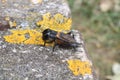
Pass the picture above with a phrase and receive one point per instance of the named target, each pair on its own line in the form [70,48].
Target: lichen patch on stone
[58,22]
[79,67]
[36,1]
[3,1]
[24,36]
[34,36]
[12,24]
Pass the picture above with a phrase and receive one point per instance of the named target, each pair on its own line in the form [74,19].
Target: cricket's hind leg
[44,43]
[55,44]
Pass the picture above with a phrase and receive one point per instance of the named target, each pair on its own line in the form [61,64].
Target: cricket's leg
[55,44]
[44,43]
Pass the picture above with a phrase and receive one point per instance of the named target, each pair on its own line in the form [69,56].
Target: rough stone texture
[25,13]
[35,62]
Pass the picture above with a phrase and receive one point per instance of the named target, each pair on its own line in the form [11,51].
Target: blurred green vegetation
[101,32]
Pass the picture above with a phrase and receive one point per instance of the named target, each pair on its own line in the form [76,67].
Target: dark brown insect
[59,38]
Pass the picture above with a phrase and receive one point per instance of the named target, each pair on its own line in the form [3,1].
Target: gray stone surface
[25,13]
[35,62]
[31,62]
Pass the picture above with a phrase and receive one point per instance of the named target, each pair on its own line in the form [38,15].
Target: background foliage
[99,23]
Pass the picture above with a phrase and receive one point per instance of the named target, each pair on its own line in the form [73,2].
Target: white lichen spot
[38,75]
[36,1]
[26,78]
[14,50]
[34,70]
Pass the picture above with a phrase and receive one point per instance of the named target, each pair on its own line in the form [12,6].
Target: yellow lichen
[25,36]
[7,18]
[18,36]
[58,22]
[3,1]
[79,67]
[12,24]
